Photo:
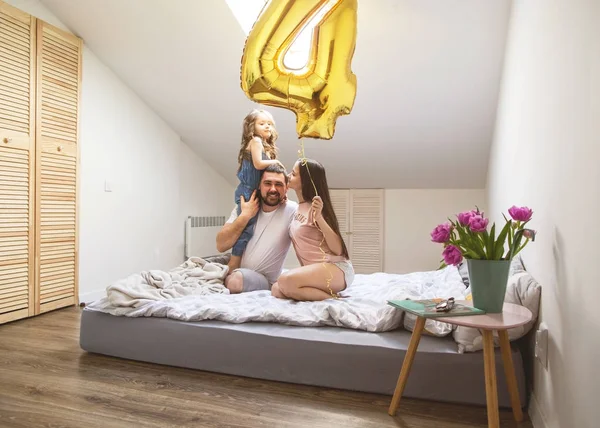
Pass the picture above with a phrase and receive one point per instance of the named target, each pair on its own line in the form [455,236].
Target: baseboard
[92,296]
[536,415]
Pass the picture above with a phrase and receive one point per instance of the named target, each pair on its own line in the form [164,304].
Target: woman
[326,268]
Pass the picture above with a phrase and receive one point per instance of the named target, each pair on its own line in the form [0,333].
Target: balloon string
[304,162]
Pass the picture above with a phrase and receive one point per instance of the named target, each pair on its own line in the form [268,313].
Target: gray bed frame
[323,356]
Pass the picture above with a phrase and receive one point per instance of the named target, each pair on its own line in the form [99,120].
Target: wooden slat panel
[15,56]
[15,17]
[67,122]
[59,46]
[11,287]
[60,38]
[13,104]
[59,74]
[17,157]
[57,282]
[63,61]
[57,268]
[13,306]
[55,304]
[57,52]
[14,271]
[17,293]
[60,96]
[15,44]
[14,74]
[15,281]
[14,29]
[65,272]
[58,111]
[10,113]
[15,36]
[11,126]
[69,88]
[13,96]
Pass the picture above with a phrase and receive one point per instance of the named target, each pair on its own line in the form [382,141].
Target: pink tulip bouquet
[468,236]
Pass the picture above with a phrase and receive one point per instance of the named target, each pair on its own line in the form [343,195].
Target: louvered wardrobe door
[59,77]
[17,157]
[366,208]
[340,199]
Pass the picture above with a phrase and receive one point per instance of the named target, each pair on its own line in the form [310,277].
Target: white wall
[157,180]
[411,215]
[545,155]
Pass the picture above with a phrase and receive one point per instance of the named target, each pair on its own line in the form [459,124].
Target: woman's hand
[317,209]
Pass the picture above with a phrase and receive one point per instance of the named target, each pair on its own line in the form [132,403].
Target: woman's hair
[248,134]
[311,172]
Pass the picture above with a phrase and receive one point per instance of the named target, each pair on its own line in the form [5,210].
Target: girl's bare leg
[234,263]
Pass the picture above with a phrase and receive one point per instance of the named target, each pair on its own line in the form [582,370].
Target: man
[266,251]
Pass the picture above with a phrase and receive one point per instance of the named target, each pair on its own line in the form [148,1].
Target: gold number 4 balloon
[322,87]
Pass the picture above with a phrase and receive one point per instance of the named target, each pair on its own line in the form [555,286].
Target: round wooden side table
[512,316]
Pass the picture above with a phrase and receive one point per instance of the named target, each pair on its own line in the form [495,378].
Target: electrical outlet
[541,345]
[108,186]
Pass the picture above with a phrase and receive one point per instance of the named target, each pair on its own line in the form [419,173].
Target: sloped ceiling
[428,78]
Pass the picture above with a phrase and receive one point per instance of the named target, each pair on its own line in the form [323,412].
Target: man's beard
[272,199]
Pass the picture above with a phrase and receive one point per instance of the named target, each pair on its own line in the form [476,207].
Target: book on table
[426,308]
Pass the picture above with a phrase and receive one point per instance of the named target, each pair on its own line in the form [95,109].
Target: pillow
[516,266]
[463,271]
[522,289]
[219,258]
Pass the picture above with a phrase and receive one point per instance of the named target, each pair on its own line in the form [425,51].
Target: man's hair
[277,169]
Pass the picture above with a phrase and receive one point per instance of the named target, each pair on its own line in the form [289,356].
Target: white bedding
[364,306]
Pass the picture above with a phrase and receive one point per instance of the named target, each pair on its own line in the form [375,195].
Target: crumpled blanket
[194,277]
[363,306]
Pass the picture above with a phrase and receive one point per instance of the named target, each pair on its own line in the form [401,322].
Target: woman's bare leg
[309,283]
[276,292]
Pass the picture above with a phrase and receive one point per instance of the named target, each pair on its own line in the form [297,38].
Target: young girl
[326,269]
[257,152]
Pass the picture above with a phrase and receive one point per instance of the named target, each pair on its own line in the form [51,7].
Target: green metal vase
[488,279]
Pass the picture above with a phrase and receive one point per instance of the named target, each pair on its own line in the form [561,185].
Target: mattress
[322,356]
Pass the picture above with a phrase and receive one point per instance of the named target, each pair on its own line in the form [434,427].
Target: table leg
[491,390]
[408,359]
[509,373]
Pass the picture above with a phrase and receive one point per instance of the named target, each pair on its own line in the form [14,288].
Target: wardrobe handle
[6,140]
[59,148]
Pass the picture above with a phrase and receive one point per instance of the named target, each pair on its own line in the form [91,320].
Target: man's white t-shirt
[269,245]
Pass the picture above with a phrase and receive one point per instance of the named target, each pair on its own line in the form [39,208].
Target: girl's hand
[280,164]
[317,208]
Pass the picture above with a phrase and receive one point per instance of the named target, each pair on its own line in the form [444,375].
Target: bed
[357,343]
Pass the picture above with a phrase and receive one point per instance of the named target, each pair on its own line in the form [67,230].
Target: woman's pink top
[307,238]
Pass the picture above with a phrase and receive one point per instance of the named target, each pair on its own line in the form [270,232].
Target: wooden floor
[46,380]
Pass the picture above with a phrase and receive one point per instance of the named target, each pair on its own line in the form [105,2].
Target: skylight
[296,58]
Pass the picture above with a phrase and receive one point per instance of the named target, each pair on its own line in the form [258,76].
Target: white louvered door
[367,230]
[17,160]
[340,199]
[59,77]
[360,214]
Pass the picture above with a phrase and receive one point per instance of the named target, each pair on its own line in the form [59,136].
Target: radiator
[201,235]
